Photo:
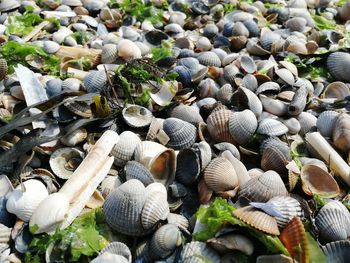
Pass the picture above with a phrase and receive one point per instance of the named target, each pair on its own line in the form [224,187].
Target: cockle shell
[125,147]
[95,81]
[274,106]
[182,134]
[188,166]
[74,138]
[247,64]
[137,116]
[128,50]
[225,146]
[275,157]
[5,237]
[337,251]
[242,126]
[209,58]
[135,170]
[195,251]
[114,252]
[109,54]
[325,122]
[187,113]
[338,65]
[307,121]
[341,132]
[179,220]
[271,127]
[245,98]
[23,202]
[336,90]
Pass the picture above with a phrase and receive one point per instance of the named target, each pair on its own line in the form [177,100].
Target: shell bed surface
[174,131]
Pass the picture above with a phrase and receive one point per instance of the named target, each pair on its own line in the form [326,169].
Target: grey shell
[182,134]
[95,81]
[136,170]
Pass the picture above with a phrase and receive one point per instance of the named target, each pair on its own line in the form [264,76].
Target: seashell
[53,87]
[285,75]
[224,94]
[95,81]
[293,69]
[268,37]
[336,90]
[155,37]
[262,188]
[181,133]
[280,258]
[71,84]
[271,127]
[6,218]
[109,54]
[247,64]
[116,248]
[3,68]
[225,146]
[5,237]
[292,236]
[64,161]
[137,116]
[257,219]
[230,73]
[253,48]
[108,184]
[210,30]
[231,242]
[296,24]
[332,222]
[74,138]
[307,121]
[239,29]
[128,50]
[5,186]
[188,166]
[275,157]
[209,58]
[240,169]
[196,251]
[79,108]
[203,44]
[23,202]
[165,240]
[8,5]
[135,170]
[298,103]
[179,220]
[125,147]
[245,98]
[199,8]
[184,73]
[315,180]
[251,25]
[337,251]
[218,125]
[286,95]
[292,124]
[269,86]
[242,126]
[250,82]
[156,206]
[129,33]
[325,122]
[154,128]
[159,160]
[123,208]
[220,175]
[341,132]
[273,106]
[187,113]
[338,65]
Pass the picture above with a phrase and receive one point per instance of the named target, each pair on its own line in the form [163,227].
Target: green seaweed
[323,23]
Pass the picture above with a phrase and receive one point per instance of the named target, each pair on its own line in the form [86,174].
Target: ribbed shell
[276,157]
[225,93]
[71,84]
[123,208]
[154,127]
[165,240]
[292,236]
[95,81]
[242,126]
[195,251]
[245,98]
[267,38]
[307,121]
[271,127]
[5,237]
[338,251]
[341,133]
[296,24]
[333,222]
[109,54]
[137,116]
[209,58]
[225,146]
[188,166]
[218,125]
[220,175]
[187,113]
[3,69]
[230,73]
[257,219]
[79,108]
[182,134]
[263,187]
[118,248]
[325,122]
[338,64]
[179,220]
[124,149]
[135,170]
[51,47]
[230,242]
[156,208]
[23,204]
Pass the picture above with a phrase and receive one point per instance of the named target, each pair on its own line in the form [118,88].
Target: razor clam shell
[242,126]
[118,248]
[188,166]
[194,251]
[124,149]
[137,116]
[262,188]
[220,175]
[325,122]
[165,240]
[135,170]
[123,208]
[338,64]
[187,113]
[337,251]
[5,237]
[257,219]
[182,134]
[209,58]
[271,127]
[218,125]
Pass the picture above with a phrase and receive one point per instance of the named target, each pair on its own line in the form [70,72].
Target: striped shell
[257,219]
[267,38]
[197,251]
[135,170]
[325,122]
[79,108]
[336,90]
[230,73]
[338,64]
[118,248]
[296,24]
[5,237]
[262,188]
[181,133]
[307,121]
[338,251]
[124,149]
[275,157]
[187,113]
[220,175]
[165,240]
[209,58]
[271,127]
[179,220]
[218,125]
[333,222]
[109,54]
[224,94]
[242,126]
[247,64]
[341,133]
[137,116]
[3,69]
[274,106]
[128,50]
[95,81]
[225,146]
[123,208]
[71,84]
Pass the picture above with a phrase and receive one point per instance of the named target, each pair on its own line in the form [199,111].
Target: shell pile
[154,112]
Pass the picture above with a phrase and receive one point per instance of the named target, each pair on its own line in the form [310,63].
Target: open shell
[188,166]
[230,242]
[245,98]
[341,133]
[137,116]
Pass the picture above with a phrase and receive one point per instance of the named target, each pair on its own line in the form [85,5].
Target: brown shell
[3,69]
[257,219]
[218,125]
[341,133]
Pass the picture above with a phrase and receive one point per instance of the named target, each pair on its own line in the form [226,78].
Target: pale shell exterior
[74,138]
[23,204]
[247,99]
[109,54]
[135,170]
[187,113]
[125,147]
[118,248]
[182,134]
[338,64]
[179,220]
[5,237]
[307,121]
[341,133]
[165,240]
[325,122]
[288,207]
[271,127]
[3,69]
[242,126]
[275,157]
[128,50]
[225,93]
[137,116]
[195,250]
[218,125]
[209,58]
[231,242]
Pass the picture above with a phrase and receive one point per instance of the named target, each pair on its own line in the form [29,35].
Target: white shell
[5,237]
[128,50]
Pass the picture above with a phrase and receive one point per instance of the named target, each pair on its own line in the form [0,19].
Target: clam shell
[51,47]
[165,240]
[225,93]
[271,127]
[298,103]
[325,122]
[108,184]
[225,146]
[285,75]
[220,175]
[188,166]
[341,133]
[8,5]
[118,248]
[292,124]
[333,222]
[195,251]
[274,106]
[262,188]
[245,98]
[135,170]
[74,138]
[296,24]
[3,69]
[208,88]
[230,73]
[128,50]
[137,116]
[242,126]
[179,220]
[338,251]
[5,237]
[184,75]
[257,219]
[315,180]
[232,242]
[307,121]
[53,87]
[292,236]
[338,64]
[240,169]
[59,161]
[124,149]
[109,54]
[79,108]
[24,203]
[71,84]
[267,38]
[247,64]
[95,81]
[6,218]
[254,48]
[123,208]
[275,157]
[181,133]
[336,90]
[209,58]
[187,113]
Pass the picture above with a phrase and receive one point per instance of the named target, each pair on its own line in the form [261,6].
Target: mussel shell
[182,134]
[242,126]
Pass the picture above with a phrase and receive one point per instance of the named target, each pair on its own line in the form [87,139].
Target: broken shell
[125,148]
[280,258]
[245,98]
[74,138]
[5,237]
[298,103]
[242,126]
[218,125]
[137,116]
[181,133]
[3,69]
[135,170]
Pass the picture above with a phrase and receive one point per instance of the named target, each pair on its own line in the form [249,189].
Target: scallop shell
[188,166]
[109,54]
[95,81]
[218,125]
[337,252]
[262,188]
[338,64]
[245,98]
[3,69]
[220,175]
[135,170]
[231,242]
[187,113]
[5,237]
[137,116]
[123,208]
[209,58]
[341,133]
[275,157]
[181,133]
[271,127]
[74,138]
[197,251]
[242,126]
[23,202]
[292,236]
[333,222]
[165,240]
[325,122]
[118,248]
[257,219]
[64,160]
[124,149]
